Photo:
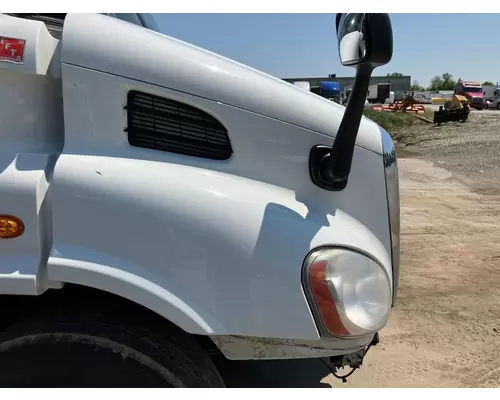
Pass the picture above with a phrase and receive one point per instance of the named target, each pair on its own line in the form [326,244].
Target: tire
[498,106]
[102,349]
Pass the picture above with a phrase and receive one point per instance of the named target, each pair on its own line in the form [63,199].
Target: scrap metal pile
[408,104]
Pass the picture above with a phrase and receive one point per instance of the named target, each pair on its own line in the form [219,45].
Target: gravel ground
[471,150]
[445,330]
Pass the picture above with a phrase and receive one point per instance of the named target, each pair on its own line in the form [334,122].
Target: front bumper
[254,348]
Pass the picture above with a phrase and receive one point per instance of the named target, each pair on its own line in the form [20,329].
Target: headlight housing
[349,292]
[392,189]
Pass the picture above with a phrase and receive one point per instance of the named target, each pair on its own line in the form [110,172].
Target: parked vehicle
[490,92]
[378,93]
[473,91]
[330,91]
[493,103]
[303,85]
[162,207]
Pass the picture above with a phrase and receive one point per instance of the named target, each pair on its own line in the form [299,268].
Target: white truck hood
[113,46]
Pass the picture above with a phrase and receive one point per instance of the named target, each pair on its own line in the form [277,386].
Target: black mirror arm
[330,167]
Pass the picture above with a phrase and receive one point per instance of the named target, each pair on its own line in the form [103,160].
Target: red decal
[12,50]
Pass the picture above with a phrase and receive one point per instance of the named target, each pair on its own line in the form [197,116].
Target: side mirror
[364,42]
[364,39]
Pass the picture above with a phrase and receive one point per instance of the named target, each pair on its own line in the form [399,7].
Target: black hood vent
[168,125]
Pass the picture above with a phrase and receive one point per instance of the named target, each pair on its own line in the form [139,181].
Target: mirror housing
[364,42]
[364,39]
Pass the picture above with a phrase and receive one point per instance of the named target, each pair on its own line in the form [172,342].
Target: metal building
[398,83]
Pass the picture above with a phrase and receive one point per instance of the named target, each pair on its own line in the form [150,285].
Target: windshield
[144,20]
[472,89]
[149,22]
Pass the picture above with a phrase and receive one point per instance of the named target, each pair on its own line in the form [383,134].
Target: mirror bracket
[319,158]
[329,167]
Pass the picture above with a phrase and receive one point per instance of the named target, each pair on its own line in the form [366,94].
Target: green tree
[436,83]
[448,82]
[488,83]
[443,82]
[395,74]
[417,87]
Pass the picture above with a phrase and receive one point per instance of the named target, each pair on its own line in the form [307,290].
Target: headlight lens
[351,293]
[392,188]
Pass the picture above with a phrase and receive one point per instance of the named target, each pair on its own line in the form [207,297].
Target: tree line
[445,81]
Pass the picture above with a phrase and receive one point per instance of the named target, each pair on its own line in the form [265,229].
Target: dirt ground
[445,330]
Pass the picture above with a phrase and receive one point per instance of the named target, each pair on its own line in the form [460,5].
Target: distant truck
[490,92]
[303,85]
[378,93]
[473,91]
[330,90]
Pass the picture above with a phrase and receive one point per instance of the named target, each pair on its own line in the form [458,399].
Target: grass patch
[392,121]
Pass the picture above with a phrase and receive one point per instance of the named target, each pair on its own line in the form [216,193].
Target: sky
[304,45]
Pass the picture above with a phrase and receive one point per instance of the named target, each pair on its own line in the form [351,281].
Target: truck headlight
[392,188]
[349,292]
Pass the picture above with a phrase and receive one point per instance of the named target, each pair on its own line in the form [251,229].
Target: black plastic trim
[53,22]
[319,159]
[168,125]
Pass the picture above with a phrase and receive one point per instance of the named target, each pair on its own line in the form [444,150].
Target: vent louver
[167,125]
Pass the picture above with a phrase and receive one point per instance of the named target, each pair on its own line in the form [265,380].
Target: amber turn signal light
[10,227]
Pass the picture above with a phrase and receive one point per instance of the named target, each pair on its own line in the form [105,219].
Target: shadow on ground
[275,374]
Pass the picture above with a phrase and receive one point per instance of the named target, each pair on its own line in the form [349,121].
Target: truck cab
[153,219]
[473,91]
[330,90]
